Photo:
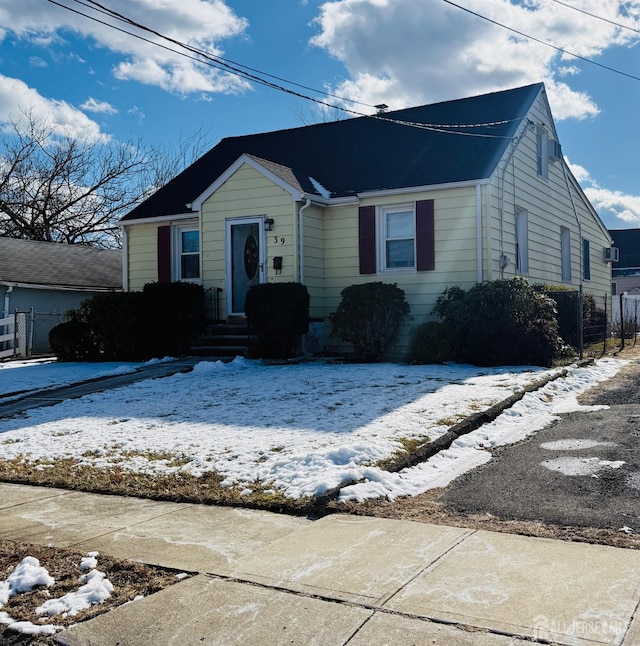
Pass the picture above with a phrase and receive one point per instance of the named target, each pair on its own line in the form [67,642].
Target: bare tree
[65,189]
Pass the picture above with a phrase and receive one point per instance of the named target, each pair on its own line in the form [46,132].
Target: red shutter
[425,246]
[164,254]
[367,239]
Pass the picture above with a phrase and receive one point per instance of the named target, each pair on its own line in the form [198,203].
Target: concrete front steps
[225,340]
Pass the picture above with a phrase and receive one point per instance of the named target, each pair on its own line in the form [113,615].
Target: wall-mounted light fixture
[268,224]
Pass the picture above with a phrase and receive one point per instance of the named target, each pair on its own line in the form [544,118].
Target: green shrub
[73,341]
[370,316]
[278,313]
[163,319]
[118,323]
[431,343]
[177,316]
[502,322]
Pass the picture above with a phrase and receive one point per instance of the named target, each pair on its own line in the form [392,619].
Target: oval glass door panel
[251,256]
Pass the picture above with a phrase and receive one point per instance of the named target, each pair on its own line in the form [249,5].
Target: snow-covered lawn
[300,429]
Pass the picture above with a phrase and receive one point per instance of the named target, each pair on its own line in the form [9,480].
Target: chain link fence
[625,310]
[583,319]
[26,334]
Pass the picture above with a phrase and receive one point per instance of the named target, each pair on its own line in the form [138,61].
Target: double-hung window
[586,259]
[565,254]
[542,154]
[396,238]
[398,230]
[188,254]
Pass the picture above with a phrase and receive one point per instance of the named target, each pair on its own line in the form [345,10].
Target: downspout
[305,206]
[125,259]
[7,300]
[479,230]
[580,315]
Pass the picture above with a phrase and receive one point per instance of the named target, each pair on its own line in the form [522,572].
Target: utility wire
[592,15]
[229,67]
[543,42]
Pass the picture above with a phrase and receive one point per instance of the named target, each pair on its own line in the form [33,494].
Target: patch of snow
[575,466]
[322,191]
[573,445]
[96,588]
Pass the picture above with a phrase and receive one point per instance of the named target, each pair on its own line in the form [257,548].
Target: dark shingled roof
[62,265]
[628,242]
[366,153]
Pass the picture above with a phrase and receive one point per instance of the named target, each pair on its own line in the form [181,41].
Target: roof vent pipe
[381,108]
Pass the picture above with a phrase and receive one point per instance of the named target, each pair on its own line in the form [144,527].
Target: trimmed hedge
[370,316]
[278,313]
[163,319]
[501,322]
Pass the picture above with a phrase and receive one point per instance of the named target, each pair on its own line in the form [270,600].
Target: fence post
[580,316]
[621,322]
[606,325]
[29,333]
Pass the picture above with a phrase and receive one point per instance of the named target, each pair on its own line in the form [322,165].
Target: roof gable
[280,175]
[29,262]
[418,146]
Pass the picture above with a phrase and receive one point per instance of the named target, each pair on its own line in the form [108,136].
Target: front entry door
[245,266]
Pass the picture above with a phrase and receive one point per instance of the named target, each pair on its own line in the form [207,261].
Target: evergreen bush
[278,313]
[370,316]
[431,343]
[501,322]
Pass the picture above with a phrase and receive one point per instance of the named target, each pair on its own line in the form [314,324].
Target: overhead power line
[592,15]
[542,42]
[240,70]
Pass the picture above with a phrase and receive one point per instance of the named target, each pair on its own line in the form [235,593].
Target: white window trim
[381,237]
[177,247]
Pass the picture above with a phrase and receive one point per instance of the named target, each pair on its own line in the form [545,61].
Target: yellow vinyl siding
[248,193]
[314,260]
[455,253]
[143,255]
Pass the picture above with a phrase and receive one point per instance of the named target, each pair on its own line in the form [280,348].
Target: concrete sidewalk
[264,578]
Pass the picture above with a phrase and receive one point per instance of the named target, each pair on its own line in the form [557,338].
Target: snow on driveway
[18,377]
[300,429]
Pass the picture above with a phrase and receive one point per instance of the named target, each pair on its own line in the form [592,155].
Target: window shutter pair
[164,254]
[425,247]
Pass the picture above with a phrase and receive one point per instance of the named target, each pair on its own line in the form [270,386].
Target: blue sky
[94,81]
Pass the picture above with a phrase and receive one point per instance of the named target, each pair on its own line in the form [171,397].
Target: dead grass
[206,489]
[129,579]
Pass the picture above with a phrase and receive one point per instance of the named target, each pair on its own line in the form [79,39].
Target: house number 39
[277,240]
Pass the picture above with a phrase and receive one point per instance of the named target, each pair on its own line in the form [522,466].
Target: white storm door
[245,260]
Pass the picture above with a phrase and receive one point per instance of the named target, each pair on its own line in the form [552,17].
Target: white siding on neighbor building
[248,193]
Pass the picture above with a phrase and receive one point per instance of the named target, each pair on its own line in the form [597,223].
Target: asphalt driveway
[583,470]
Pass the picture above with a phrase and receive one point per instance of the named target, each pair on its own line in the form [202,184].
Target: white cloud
[93,105]
[203,23]
[617,209]
[408,52]
[17,99]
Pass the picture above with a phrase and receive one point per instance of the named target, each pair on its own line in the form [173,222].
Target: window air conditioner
[555,150]
[611,254]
